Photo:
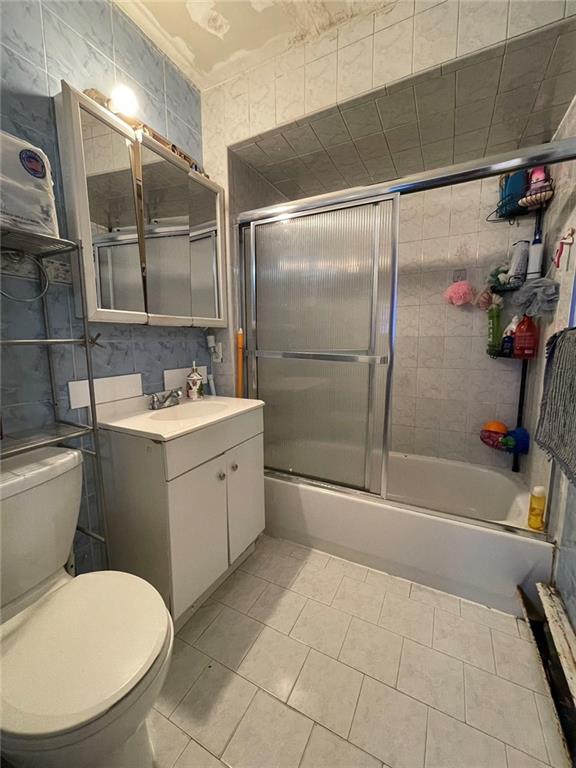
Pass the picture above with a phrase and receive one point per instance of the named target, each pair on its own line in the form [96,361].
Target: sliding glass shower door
[319,298]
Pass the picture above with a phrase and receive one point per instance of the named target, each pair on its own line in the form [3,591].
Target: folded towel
[556,430]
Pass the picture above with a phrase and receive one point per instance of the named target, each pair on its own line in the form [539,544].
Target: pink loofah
[459,293]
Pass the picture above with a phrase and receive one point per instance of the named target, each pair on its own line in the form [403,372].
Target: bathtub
[480,562]
[459,488]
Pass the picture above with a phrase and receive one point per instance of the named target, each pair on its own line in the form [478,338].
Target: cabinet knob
[234,467]
[221,475]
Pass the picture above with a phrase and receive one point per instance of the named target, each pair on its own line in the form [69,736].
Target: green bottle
[494,332]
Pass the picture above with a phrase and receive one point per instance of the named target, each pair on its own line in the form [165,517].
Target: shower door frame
[380,354]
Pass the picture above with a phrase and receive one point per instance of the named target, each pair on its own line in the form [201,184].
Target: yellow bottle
[537,508]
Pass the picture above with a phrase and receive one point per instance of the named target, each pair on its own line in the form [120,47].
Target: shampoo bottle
[537,508]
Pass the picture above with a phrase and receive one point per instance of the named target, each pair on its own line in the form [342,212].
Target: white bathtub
[477,562]
[463,489]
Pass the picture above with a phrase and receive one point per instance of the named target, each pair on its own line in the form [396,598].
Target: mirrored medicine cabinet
[151,229]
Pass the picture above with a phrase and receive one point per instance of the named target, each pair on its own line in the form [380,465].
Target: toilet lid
[77,651]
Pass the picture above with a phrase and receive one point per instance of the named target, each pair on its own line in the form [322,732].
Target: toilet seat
[75,653]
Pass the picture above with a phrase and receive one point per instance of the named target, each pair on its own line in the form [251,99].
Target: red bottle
[526,339]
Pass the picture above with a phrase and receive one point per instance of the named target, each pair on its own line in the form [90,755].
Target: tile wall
[406,37]
[445,385]
[90,43]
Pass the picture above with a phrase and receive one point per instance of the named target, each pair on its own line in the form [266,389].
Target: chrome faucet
[165,400]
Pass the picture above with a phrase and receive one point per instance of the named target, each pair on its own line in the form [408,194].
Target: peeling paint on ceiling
[215,40]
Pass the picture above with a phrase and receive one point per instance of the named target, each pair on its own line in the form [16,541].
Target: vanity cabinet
[181,511]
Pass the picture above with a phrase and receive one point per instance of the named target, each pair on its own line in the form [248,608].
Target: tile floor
[302,660]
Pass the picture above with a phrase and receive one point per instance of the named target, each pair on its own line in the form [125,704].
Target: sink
[198,409]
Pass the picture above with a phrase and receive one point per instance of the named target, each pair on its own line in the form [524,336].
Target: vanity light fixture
[123,101]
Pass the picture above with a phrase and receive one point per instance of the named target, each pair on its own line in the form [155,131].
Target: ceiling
[212,40]
[513,95]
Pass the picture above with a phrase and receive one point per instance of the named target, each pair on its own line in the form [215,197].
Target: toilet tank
[39,505]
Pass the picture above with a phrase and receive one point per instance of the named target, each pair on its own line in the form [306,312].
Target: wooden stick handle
[240,363]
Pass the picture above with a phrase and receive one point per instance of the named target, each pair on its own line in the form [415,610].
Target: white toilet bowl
[84,658]
[82,668]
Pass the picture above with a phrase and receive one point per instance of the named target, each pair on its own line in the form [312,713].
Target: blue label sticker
[33,163]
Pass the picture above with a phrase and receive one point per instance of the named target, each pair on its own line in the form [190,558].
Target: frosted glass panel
[316,418]
[119,277]
[314,278]
[204,285]
[168,261]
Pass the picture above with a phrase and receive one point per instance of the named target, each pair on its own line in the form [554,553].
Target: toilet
[83,659]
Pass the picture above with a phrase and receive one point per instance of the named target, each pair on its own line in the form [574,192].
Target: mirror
[112,212]
[181,241]
[150,229]
[204,245]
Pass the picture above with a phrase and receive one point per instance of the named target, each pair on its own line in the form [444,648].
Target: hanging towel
[556,430]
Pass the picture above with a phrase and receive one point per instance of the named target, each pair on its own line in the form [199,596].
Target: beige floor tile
[326,750]
[553,737]
[195,756]
[274,662]
[240,591]
[322,628]
[434,597]
[280,569]
[310,556]
[168,741]
[274,546]
[199,621]
[519,661]
[503,710]
[317,584]
[359,599]
[408,618]
[255,561]
[347,568]
[388,583]
[327,691]
[186,666]
[504,622]
[465,640]
[432,677]
[390,725]
[520,760]
[451,744]
[229,638]
[270,735]
[372,650]
[214,706]
[278,607]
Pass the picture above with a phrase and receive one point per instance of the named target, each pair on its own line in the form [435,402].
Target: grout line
[355,707]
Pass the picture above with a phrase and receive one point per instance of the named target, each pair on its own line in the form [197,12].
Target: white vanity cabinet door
[198,528]
[245,494]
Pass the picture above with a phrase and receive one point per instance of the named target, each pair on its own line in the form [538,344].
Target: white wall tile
[262,89]
[322,46]
[435,35]
[290,60]
[106,389]
[436,216]
[355,29]
[481,23]
[290,96]
[393,49]
[393,13]
[355,68]
[320,88]
[533,14]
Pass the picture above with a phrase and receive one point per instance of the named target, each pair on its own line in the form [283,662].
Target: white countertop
[133,416]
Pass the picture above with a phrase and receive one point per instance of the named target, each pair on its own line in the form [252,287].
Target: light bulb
[123,101]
